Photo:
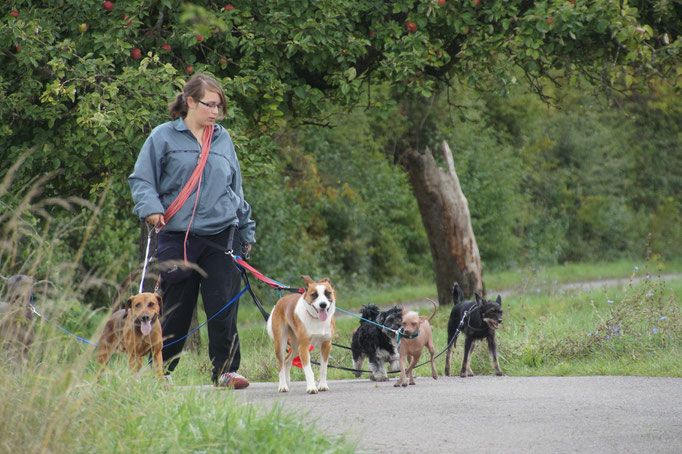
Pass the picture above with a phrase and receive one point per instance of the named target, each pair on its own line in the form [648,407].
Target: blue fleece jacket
[164,165]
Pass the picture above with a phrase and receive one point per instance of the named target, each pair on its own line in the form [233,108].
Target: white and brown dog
[306,320]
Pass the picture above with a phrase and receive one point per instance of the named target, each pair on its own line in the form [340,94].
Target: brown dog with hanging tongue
[306,319]
[135,330]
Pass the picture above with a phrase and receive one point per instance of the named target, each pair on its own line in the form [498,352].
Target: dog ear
[457,294]
[160,301]
[499,300]
[403,310]
[307,279]
[129,303]
[479,300]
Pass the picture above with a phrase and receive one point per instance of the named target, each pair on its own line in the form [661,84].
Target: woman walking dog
[187,182]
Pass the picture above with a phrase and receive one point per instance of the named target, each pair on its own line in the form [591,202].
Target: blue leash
[33,309]
[397,331]
[165,345]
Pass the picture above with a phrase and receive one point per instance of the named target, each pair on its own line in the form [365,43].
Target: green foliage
[347,214]
[75,91]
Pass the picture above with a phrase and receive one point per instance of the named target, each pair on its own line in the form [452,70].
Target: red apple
[108,5]
[166,47]
[466,29]
[549,20]
[83,27]
[18,47]
[136,53]
[15,14]
[228,7]
[128,19]
[476,2]
[441,2]
[371,33]
[223,60]
[199,37]
[410,26]
[189,69]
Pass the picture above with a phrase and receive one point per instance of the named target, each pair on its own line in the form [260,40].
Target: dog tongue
[322,314]
[146,327]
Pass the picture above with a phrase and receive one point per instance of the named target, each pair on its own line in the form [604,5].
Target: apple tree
[82,82]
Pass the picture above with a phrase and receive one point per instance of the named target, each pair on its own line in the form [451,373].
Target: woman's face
[206,110]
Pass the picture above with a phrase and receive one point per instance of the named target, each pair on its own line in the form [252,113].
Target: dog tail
[435,309]
[369,312]
[457,294]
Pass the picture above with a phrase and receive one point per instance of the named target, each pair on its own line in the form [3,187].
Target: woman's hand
[155,219]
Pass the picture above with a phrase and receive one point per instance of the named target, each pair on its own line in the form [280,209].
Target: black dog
[481,321]
[376,343]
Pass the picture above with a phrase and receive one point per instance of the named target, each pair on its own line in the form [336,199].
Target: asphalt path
[586,414]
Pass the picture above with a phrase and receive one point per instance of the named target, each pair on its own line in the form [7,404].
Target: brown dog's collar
[401,334]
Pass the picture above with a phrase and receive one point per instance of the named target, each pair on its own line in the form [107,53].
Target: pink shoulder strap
[193,179]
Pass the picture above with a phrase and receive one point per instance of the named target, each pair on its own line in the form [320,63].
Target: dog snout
[145,318]
[323,305]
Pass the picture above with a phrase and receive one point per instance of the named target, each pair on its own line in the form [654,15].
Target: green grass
[56,405]
[545,332]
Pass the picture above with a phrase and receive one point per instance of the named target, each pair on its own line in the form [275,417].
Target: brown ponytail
[178,108]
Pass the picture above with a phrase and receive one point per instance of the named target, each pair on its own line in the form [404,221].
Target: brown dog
[415,334]
[16,316]
[135,330]
[306,319]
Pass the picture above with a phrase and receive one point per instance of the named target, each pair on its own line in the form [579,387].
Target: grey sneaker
[232,380]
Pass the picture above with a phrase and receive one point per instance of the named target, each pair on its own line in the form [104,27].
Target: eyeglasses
[211,105]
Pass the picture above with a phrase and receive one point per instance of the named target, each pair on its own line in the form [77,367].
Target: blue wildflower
[664,317]
[609,301]
[655,330]
[636,268]
[649,294]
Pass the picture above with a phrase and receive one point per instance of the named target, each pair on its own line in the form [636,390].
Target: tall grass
[53,403]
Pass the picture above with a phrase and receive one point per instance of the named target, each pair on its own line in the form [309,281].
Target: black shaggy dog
[481,321]
[376,343]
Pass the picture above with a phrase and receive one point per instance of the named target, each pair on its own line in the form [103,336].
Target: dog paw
[312,390]
[322,387]
[499,373]
[283,389]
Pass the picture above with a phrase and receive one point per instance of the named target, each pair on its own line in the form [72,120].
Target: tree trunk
[445,214]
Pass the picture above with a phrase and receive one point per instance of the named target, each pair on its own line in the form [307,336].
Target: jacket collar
[180,125]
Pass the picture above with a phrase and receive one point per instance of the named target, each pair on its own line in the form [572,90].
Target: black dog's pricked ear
[479,300]
[457,294]
[499,300]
